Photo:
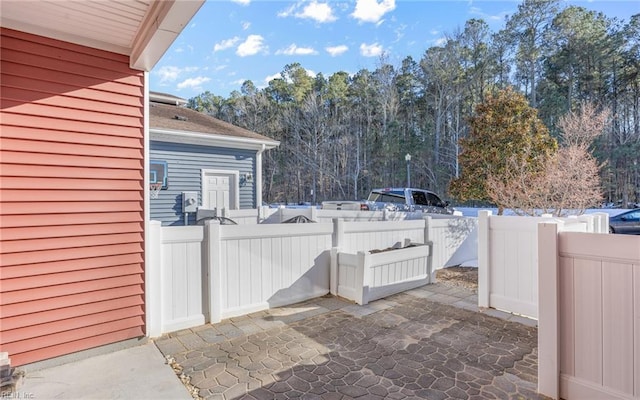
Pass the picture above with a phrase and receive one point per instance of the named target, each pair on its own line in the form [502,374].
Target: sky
[230,41]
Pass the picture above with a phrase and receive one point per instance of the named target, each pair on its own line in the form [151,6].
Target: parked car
[395,199]
[627,222]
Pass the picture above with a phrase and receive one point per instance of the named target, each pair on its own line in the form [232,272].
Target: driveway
[430,342]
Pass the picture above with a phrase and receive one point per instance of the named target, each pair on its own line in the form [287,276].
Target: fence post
[430,272]
[338,233]
[427,229]
[428,238]
[362,295]
[602,222]
[483,258]
[589,221]
[153,275]
[548,314]
[337,241]
[333,272]
[281,214]
[314,213]
[214,269]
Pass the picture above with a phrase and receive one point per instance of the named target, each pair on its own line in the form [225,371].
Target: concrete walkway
[430,342]
[138,372]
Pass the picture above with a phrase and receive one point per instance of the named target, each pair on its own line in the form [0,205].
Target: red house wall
[71,198]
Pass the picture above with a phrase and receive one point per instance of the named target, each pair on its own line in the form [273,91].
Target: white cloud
[488,17]
[246,25]
[440,42]
[288,12]
[371,50]
[336,50]
[399,31]
[225,44]
[372,10]
[297,51]
[272,77]
[193,83]
[242,2]
[170,73]
[319,12]
[252,46]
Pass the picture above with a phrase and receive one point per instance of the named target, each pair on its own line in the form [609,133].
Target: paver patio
[430,342]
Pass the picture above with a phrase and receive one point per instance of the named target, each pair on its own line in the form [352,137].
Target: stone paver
[432,342]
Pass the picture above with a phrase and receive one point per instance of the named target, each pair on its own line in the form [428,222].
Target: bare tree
[581,129]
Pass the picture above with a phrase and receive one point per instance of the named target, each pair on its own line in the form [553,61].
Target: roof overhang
[140,29]
[208,139]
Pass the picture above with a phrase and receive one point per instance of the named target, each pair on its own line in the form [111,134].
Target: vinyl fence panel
[589,330]
[180,278]
[213,271]
[255,267]
[508,259]
[365,236]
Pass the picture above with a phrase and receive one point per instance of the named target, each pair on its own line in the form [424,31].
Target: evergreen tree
[505,131]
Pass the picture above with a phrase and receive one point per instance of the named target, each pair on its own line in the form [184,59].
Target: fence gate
[589,326]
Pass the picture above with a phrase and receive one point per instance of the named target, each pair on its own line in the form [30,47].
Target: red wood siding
[71,198]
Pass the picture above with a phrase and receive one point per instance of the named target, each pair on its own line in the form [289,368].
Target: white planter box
[364,277]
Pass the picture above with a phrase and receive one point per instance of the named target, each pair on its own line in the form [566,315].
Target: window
[419,198]
[434,200]
[634,216]
[386,197]
[426,199]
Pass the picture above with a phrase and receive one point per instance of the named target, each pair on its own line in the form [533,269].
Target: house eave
[158,31]
[208,139]
[142,30]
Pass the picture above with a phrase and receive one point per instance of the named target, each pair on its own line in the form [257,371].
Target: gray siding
[185,163]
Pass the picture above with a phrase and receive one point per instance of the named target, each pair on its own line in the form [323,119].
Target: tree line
[345,134]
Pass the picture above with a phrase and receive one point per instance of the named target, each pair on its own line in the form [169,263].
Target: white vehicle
[395,199]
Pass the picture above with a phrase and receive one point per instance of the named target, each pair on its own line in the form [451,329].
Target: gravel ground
[466,277]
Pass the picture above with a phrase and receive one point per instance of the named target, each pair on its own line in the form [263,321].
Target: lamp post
[637,183]
[407,158]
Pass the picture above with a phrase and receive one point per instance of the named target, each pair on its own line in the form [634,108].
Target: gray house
[198,161]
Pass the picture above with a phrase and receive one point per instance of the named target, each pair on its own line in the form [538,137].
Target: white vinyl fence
[279,215]
[357,275]
[249,216]
[267,215]
[210,272]
[249,268]
[447,233]
[589,325]
[508,258]
[177,299]
[252,268]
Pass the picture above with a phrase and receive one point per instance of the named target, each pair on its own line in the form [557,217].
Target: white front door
[217,195]
[219,190]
